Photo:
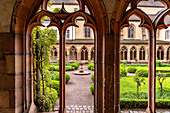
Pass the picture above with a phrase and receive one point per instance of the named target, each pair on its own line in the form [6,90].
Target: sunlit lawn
[127,84]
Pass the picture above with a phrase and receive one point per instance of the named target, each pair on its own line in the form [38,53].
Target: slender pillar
[62,73]
[116,68]
[152,72]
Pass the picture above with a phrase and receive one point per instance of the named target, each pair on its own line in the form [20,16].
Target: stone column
[89,56]
[128,54]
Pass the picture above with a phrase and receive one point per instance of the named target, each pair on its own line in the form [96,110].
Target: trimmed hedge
[131,69]
[92,77]
[142,72]
[57,77]
[56,68]
[56,85]
[123,72]
[75,65]
[142,103]
[92,89]
[90,65]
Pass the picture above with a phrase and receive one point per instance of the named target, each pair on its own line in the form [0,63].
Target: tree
[139,80]
[161,77]
[42,45]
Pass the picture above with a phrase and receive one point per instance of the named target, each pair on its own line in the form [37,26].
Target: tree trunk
[137,90]
[161,89]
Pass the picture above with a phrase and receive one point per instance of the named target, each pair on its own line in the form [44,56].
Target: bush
[158,63]
[69,68]
[142,72]
[90,65]
[92,89]
[142,103]
[57,77]
[75,65]
[92,77]
[48,100]
[123,72]
[56,85]
[131,69]
[92,68]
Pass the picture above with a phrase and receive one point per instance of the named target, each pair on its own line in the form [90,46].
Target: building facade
[134,39]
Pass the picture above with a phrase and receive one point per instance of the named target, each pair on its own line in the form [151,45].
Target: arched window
[84,53]
[168,54]
[123,53]
[160,53]
[133,53]
[73,53]
[87,32]
[142,53]
[92,54]
[143,33]
[131,31]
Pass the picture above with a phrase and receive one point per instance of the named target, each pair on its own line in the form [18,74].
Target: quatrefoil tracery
[56,19]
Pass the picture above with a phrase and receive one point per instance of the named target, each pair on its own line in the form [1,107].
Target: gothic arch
[123,53]
[160,53]
[73,53]
[84,53]
[133,53]
[120,20]
[131,31]
[22,14]
[142,53]
[168,53]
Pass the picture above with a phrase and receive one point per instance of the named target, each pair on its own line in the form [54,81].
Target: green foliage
[92,68]
[92,89]
[90,65]
[161,77]
[141,65]
[56,68]
[131,69]
[57,77]
[123,71]
[48,100]
[56,85]
[158,63]
[139,80]
[143,103]
[142,72]
[75,65]
[92,77]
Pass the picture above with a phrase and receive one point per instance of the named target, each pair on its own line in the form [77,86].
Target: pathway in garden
[78,94]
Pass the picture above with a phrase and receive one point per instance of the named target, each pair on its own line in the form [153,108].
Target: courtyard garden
[134,85]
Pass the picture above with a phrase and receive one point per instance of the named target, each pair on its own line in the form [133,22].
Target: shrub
[131,69]
[142,72]
[142,103]
[69,68]
[92,68]
[158,63]
[123,72]
[48,99]
[75,65]
[92,89]
[56,85]
[57,77]
[90,65]
[92,77]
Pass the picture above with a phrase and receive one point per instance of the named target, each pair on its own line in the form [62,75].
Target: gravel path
[78,89]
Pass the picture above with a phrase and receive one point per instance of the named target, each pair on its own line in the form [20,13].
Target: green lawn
[128,88]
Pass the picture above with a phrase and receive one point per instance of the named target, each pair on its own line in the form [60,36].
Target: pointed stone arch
[123,53]
[73,53]
[142,53]
[160,53]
